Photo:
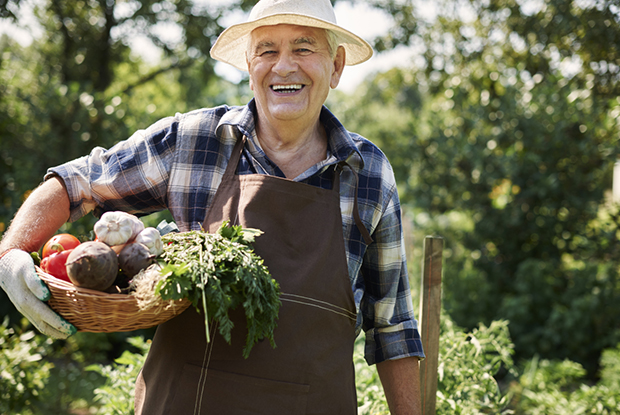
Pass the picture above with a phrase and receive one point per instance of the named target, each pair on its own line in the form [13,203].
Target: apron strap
[356,215]
[235,156]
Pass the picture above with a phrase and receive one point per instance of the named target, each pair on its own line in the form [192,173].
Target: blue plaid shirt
[178,163]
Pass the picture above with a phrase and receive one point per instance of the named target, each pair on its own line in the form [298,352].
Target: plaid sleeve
[131,176]
[388,317]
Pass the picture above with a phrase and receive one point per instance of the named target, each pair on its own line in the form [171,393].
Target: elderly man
[327,203]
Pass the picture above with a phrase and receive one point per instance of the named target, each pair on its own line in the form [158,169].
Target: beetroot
[134,258]
[92,265]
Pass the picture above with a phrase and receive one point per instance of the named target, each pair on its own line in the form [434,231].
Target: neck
[292,147]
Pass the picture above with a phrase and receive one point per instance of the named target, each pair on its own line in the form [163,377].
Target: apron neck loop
[336,179]
[233,162]
[338,168]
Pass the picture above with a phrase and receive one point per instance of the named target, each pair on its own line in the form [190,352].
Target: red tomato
[55,264]
[59,243]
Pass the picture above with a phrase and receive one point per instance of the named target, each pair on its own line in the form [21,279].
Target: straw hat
[231,45]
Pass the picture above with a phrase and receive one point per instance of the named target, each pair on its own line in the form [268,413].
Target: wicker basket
[99,312]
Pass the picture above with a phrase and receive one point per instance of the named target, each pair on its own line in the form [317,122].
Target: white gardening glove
[28,292]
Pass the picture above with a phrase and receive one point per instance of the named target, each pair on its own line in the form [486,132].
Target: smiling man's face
[291,71]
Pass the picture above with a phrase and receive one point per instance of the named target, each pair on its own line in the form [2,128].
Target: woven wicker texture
[99,312]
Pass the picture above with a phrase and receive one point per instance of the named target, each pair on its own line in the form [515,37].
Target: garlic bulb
[117,228]
[151,238]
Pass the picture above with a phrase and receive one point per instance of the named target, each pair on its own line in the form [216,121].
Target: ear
[339,61]
[247,62]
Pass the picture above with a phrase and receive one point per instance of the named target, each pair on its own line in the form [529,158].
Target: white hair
[332,42]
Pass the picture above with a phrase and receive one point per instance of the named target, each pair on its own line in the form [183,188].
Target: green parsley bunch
[220,272]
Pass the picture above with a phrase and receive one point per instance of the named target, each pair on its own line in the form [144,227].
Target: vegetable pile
[217,272]
[121,249]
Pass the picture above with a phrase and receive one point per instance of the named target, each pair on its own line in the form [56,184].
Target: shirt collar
[341,144]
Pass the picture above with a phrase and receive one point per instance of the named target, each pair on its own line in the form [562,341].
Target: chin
[285,114]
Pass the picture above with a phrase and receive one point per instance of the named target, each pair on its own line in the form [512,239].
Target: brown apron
[311,369]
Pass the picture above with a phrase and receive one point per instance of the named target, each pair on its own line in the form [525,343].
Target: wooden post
[430,310]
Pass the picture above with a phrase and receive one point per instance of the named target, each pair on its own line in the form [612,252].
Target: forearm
[401,383]
[41,215]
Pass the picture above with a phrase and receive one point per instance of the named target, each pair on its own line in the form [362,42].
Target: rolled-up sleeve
[389,322]
[131,176]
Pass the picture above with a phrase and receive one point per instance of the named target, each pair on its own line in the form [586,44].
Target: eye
[267,52]
[303,51]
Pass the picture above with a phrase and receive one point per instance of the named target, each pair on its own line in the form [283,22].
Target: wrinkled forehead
[288,33]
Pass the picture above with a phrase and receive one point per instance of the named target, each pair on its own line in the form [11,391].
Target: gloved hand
[28,292]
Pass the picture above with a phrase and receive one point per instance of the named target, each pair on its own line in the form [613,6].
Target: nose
[285,65]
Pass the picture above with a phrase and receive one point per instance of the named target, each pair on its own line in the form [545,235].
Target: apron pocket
[235,394]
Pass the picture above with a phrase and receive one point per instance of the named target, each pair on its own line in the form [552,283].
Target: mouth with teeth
[287,89]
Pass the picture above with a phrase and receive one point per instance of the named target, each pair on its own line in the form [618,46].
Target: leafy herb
[220,272]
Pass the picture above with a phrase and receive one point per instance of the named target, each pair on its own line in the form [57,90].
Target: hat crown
[319,9]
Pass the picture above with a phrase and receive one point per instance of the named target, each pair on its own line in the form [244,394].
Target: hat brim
[231,45]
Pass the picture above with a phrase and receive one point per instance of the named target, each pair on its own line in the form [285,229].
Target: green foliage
[23,372]
[68,388]
[116,396]
[557,387]
[39,375]
[468,364]
[585,302]
[610,368]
